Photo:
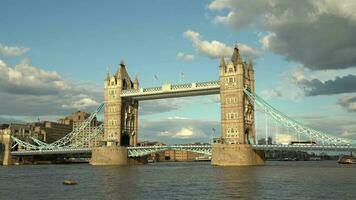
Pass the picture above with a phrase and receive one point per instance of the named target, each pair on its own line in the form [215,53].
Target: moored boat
[347,160]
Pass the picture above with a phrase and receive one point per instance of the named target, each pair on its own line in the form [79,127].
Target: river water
[193,180]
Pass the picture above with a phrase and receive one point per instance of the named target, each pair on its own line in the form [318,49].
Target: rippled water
[276,180]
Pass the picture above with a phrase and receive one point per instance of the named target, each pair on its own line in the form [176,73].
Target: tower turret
[222,66]
[121,69]
[107,78]
[136,84]
[236,57]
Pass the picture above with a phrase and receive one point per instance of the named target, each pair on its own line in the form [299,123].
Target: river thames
[194,180]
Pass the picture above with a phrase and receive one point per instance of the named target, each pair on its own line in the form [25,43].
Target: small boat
[347,160]
[69,182]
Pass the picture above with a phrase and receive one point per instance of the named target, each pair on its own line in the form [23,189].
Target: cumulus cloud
[184,57]
[345,84]
[27,79]
[26,90]
[178,130]
[161,105]
[349,133]
[82,103]
[11,51]
[183,133]
[270,93]
[336,125]
[215,49]
[284,138]
[348,102]
[313,86]
[319,33]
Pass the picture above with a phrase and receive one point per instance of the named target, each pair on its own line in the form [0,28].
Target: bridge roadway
[203,149]
[173,91]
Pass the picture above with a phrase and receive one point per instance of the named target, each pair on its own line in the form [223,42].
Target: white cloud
[184,57]
[161,105]
[348,102]
[312,85]
[318,33]
[12,50]
[26,90]
[270,93]
[283,138]
[215,49]
[184,133]
[175,130]
[348,134]
[177,117]
[27,79]
[82,103]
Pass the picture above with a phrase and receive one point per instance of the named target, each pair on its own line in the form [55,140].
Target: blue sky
[69,45]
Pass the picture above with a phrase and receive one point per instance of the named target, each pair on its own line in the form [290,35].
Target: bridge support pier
[114,156]
[236,155]
[7,159]
[109,156]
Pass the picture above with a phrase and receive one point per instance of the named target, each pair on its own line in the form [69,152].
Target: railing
[172,88]
[305,147]
[202,149]
[208,84]
[181,86]
[298,127]
[146,150]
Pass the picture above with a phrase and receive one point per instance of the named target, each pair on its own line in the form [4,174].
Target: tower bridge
[237,100]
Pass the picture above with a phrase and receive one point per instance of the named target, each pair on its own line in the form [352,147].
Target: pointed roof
[120,68]
[107,78]
[222,61]
[122,63]
[250,64]
[236,57]
[136,79]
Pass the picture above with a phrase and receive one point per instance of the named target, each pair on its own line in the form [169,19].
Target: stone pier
[114,156]
[109,156]
[236,155]
[5,139]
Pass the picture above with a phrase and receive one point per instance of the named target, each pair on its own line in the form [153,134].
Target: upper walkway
[173,91]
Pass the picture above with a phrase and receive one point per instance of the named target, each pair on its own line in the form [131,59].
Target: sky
[54,56]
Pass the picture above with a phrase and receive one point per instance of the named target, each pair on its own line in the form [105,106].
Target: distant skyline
[54,56]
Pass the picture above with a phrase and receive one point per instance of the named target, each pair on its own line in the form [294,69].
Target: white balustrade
[172,88]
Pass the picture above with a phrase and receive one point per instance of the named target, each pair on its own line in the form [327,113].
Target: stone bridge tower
[237,114]
[120,115]
[120,120]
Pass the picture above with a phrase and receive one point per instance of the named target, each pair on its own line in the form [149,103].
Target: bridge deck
[203,149]
[173,91]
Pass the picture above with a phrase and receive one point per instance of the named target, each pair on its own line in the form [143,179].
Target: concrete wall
[236,155]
